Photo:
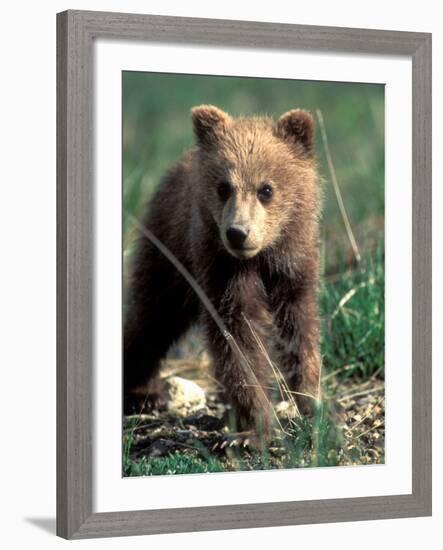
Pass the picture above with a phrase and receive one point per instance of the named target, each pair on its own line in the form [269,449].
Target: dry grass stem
[337,371]
[336,187]
[349,295]
[371,409]
[206,302]
[377,424]
[361,393]
[279,378]
[290,392]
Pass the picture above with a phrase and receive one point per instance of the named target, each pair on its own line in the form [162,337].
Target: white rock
[184,397]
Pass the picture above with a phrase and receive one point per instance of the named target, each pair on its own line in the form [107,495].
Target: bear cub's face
[256,175]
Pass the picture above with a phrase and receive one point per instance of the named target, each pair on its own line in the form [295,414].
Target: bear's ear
[297,128]
[209,124]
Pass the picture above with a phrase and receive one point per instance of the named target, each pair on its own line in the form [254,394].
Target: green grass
[157,130]
[353,319]
[352,311]
[172,464]
[309,443]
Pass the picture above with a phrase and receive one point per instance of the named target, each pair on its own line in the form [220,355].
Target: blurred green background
[157,130]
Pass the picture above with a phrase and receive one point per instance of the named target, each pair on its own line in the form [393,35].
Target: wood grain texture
[76,31]
[74,281]
[246,33]
[62,282]
[422,272]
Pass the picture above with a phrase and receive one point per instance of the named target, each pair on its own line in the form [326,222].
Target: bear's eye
[265,192]
[224,190]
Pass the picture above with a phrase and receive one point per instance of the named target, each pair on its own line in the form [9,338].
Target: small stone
[184,397]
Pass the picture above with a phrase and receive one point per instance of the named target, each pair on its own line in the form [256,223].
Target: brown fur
[272,281]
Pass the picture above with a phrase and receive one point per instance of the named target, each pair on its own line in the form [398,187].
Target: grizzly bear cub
[240,213]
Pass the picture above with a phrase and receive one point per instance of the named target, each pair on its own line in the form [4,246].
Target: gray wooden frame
[76,32]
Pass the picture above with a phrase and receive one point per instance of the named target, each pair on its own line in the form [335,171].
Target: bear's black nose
[236,235]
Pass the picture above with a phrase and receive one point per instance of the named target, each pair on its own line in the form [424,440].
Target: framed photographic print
[244,274]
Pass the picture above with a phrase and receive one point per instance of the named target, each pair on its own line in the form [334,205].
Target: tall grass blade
[336,187]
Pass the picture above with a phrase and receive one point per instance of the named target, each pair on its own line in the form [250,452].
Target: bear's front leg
[240,363]
[297,344]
